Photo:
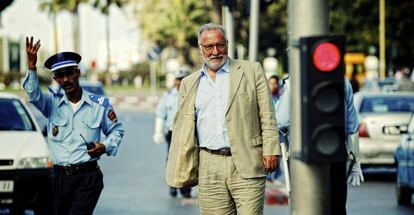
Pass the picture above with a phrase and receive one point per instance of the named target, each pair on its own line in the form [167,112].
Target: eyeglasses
[220,46]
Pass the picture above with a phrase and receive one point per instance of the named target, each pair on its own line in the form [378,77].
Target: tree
[103,6]
[56,6]
[359,21]
[173,23]
[52,7]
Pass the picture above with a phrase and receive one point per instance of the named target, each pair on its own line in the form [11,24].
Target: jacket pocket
[257,141]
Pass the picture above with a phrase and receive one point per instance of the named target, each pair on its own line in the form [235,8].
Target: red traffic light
[326,57]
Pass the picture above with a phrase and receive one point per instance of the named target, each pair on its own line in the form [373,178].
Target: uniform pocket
[91,130]
[58,130]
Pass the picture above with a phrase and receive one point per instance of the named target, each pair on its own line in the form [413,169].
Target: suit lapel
[236,74]
[191,93]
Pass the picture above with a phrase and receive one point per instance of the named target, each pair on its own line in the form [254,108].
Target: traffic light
[322,99]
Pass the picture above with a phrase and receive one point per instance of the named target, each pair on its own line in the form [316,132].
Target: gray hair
[211,26]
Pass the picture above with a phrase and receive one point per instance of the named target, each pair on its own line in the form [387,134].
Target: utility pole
[382,39]
[228,23]
[310,182]
[254,29]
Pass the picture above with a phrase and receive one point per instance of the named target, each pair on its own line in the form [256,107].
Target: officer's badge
[112,116]
[55,131]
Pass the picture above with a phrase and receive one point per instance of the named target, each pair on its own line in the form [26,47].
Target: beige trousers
[222,191]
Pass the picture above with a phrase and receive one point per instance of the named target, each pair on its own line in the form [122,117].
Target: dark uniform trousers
[76,192]
[185,190]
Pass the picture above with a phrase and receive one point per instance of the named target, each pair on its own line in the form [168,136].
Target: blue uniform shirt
[351,117]
[64,127]
[167,108]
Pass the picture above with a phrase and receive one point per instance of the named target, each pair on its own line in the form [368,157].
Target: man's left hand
[270,162]
[98,150]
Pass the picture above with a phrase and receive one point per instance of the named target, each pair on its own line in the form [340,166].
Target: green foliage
[173,23]
[359,21]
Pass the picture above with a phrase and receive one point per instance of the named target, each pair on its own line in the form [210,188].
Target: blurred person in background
[354,81]
[338,170]
[405,83]
[274,87]
[76,119]
[164,117]
[225,136]
[275,90]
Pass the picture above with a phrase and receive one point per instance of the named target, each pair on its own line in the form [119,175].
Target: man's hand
[31,50]
[98,150]
[270,162]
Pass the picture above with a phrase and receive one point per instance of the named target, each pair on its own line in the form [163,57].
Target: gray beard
[213,67]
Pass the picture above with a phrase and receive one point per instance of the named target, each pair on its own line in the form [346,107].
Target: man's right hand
[31,50]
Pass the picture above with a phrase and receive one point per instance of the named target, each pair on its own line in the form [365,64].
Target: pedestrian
[224,135]
[76,119]
[273,82]
[164,116]
[338,170]
[274,87]
[405,83]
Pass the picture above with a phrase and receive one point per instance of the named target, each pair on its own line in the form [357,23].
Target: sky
[23,18]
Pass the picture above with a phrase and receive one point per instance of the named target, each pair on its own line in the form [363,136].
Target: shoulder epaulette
[100,100]
[55,92]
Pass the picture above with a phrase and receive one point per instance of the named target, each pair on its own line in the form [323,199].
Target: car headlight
[31,163]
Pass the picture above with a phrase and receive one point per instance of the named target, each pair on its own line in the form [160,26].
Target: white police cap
[63,61]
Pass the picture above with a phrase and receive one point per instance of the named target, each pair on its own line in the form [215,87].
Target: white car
[25,167]
[383,117]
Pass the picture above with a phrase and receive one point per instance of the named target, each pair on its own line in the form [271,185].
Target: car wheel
[403,195]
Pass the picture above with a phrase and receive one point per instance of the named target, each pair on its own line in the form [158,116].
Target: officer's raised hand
[31,50]
[98,150]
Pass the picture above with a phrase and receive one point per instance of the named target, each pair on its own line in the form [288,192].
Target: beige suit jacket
[250,119]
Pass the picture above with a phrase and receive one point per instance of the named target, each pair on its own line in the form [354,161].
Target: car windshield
[95,89]
[387,104]
[14,117]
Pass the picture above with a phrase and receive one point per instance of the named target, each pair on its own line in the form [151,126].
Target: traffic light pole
[229,26]
[310,182]
[254,29]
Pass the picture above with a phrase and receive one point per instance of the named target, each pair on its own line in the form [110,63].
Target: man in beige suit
[224,135]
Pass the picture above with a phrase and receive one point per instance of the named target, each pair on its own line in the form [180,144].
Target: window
[387,104]
[13,116]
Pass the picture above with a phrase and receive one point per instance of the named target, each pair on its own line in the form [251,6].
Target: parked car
[92,87]
[25,165]
[404,158]
[383,116]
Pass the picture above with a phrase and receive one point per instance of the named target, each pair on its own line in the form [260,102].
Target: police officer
[164,117]
[338,170]
[76,119]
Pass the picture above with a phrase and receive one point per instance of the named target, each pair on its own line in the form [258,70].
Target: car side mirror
[44,131]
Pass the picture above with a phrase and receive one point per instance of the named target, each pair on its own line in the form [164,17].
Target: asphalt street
[135,185]
[134,181]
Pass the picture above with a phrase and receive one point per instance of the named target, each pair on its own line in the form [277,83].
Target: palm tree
[56,6]
[103,6]
[173,23]
[52,7]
